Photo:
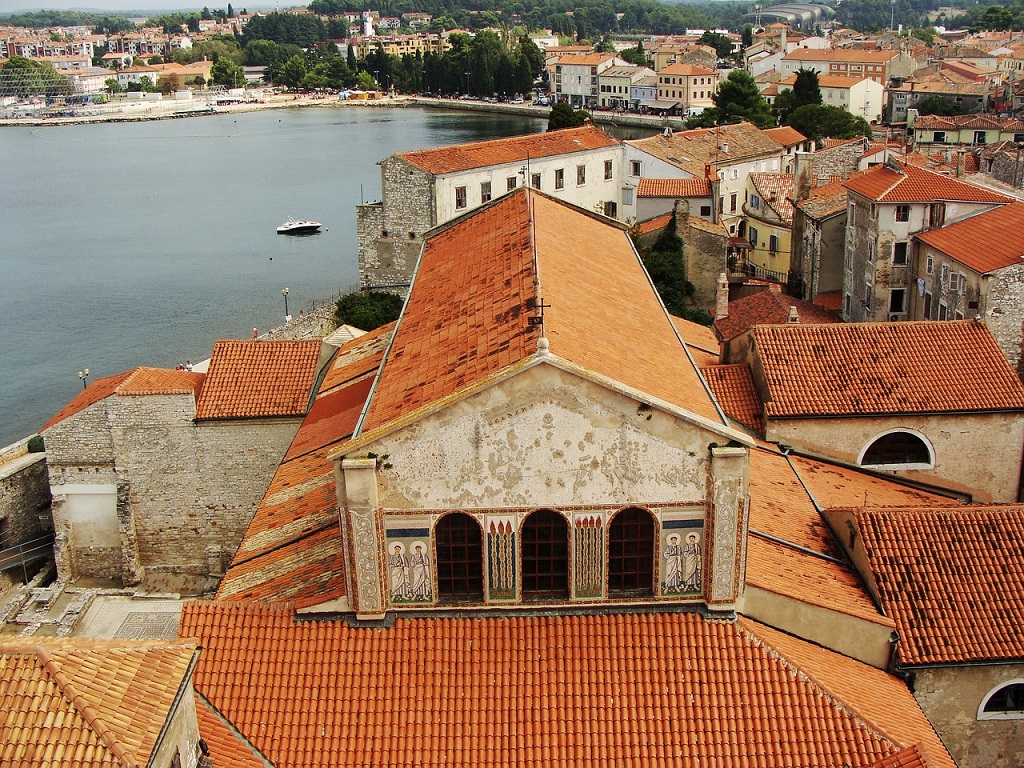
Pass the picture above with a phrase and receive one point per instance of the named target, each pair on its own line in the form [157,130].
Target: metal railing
[27,552]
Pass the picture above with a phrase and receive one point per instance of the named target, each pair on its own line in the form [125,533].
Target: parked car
[541,102]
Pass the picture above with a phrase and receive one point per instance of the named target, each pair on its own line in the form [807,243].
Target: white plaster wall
[543,438]
[92,513]
[591,195]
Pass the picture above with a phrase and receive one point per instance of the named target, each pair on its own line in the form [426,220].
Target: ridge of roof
[979,241]
[912,183]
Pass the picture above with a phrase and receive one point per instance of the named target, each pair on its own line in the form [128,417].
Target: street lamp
[467,83]
[376,77]
[84,376]
[284,292]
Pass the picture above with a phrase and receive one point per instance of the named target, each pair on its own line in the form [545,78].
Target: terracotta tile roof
[786,135]
[878,698]
[686,70]
[632,689]
[910,757]
[250,379]
[715,228]
[691,150]
[833,485]
[356,357]
[944,573]
[916,185]
[840,54]
[938,122]
[464,157]
[980,242]
[653,225]
[695,334]
[136,382]
[87,702]
[227,748]
[695,187]
[849,369]
[826,200]
[775,189]
[733,387]
[769,308]
[481,272]
[586,59]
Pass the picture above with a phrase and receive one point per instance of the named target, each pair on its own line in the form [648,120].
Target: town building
[969,95]
[767,224]
[861,96]
[973,269]
[880,66]
[931,132]
[887,205]
[616,86]
[575,78]
[686,88]
[426,188]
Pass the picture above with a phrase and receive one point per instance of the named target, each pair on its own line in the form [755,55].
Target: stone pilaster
[132,570]
[728,510]
[358,506]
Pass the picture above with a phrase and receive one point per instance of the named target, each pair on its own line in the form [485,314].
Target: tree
[721,43]
[225,72]
[111,85]
[667,268]
[818,121]
[804,91]
[938,105]
[169,83]
[369,310]
[564,116]
[292,72]
[350,57]
[21,76]
[748,36]
[737,99]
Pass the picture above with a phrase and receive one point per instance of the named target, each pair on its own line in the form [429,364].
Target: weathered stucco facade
[990,441]
[951,698]
[547,438]
[144,494]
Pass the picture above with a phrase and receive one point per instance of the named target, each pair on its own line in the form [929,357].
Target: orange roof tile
[652,225]
[828,81]
[695,187]
[910,757]
[136,382]
[356,358]
[586,59]
[719,147]
[489,268]
[695,334]
[464,157]
[933,122]
[916,185]
[826,200]
[878,698]
[786,135]
[628,689]
[103,701]
[769,308]
[840,54]
[850,369]
[980,242]
[227,748]
[686,70]
[250,379]
[775,189]
[733,387]
[944,573]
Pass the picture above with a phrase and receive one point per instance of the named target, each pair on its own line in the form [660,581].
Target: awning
[658,104]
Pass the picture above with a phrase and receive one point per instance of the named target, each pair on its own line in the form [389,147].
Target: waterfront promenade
[129,111]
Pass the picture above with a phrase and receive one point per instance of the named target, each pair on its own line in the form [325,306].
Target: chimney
[793,318]
[782,41]
[725,147]
[803,175]
[722,297]
[961,153]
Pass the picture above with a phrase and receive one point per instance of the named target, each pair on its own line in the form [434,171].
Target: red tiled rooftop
[136,382]
[980,242]
[916,185]
[786,135]
[481,271]
[356,358]
[695,187]
[719,147]
[628,689]
[653,225]
[953,579]
[464,157]
[850,369]
[227,748]
[686,70]
[733,387]
[775,190]
[840,54]
[88,703]
[769,308]
[250,379]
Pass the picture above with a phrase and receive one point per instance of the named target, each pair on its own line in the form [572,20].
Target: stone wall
[390,232]
[951,697]
[177,495]
[24,494]
[705,257]
[838,161]
[1004,312]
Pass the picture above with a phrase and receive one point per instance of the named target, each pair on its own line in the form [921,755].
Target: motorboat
[295,227]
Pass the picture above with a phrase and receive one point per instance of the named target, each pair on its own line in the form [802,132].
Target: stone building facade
[24,495]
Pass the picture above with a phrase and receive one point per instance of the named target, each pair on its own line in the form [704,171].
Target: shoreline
[134,112]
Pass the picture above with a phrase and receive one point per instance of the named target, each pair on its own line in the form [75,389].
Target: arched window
[631,554]
[897,448]
[1004,703]
[545,549]
[460,574]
